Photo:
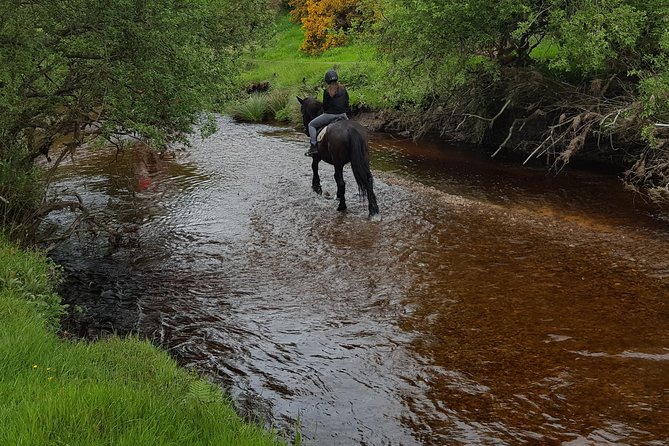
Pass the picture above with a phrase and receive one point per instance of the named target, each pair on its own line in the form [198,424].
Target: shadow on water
[489,304]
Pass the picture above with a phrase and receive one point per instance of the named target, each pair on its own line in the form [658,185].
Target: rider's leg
[314,125]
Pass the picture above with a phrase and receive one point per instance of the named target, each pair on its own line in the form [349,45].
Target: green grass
[111,392]
[286,68]
[546,50]
[255,108]
[276,105]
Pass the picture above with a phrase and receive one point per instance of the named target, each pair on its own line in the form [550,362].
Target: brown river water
[487,304]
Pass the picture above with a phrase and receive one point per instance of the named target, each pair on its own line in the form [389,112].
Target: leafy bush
[654,85]
[586,73]
[21,192]
[325,22]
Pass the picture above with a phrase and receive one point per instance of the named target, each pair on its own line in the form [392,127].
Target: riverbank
[530,113]
[114,391]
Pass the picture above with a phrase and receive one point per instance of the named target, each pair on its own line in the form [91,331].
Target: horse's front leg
[341,187]
[316,180]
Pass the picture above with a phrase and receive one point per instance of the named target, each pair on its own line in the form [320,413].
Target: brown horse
[344,142]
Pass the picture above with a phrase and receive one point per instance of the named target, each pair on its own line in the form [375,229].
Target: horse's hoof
[341,208]
[318,190]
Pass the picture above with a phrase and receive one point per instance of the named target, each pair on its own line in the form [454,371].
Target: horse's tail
[360,167]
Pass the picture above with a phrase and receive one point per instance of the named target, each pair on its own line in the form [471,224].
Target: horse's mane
[313,106]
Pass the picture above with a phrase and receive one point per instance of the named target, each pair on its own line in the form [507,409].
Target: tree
[298,10]
[584,71]
[589,33]
[96,70]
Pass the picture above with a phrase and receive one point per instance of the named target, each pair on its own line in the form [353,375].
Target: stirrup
[313,150]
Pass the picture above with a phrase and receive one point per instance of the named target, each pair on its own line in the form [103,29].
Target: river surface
[487,304]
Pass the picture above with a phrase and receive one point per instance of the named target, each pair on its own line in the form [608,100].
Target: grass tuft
[254,109]
[260,107]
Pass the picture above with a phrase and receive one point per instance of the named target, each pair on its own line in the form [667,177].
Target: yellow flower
[50,378]
[34,366]
[48,369]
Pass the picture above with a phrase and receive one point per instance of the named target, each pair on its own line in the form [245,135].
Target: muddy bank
[405,125]
[535,120]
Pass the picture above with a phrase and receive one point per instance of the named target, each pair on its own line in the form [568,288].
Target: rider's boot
[313,150]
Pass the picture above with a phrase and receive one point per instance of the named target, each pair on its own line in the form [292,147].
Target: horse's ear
[300,100]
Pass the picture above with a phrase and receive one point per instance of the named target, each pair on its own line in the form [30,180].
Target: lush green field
[112,392]
[291,72]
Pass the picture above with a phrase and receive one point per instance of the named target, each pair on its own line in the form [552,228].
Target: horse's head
[310,108]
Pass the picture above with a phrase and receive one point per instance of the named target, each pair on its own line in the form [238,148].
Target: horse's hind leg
[341,187]
[316,180]
[371,199]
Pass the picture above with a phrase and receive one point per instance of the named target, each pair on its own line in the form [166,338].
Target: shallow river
[487,304]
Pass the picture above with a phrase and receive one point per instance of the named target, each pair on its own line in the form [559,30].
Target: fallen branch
[537,113]
[490,120]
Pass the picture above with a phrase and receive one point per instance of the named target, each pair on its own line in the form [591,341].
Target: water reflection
[488,304]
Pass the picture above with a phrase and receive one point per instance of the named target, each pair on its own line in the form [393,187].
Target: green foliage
[654,90]
[438,42]
[438,48]
[128,64]
[654,85]
[21,192]
[255,108]
[603,64]
[201,391]
[277,100]
[93,69]
[27,275]
[594,36]
[259,107]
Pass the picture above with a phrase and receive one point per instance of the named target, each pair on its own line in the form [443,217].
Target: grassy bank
[288,72]
[115,392]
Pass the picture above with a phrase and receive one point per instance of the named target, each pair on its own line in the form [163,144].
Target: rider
[335,106]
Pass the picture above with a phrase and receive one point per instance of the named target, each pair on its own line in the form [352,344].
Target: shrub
[21,192]
[325,22]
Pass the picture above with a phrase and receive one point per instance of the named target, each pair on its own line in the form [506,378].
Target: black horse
[345,141]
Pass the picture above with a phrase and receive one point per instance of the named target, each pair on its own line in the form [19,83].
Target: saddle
[323,131]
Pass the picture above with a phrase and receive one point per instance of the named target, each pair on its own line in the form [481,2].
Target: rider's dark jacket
[337,104]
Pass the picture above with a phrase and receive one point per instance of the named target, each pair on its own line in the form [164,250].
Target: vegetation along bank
[78,75]
[551,80]
[115,392]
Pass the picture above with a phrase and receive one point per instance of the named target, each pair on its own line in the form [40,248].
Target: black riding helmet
[331,76]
